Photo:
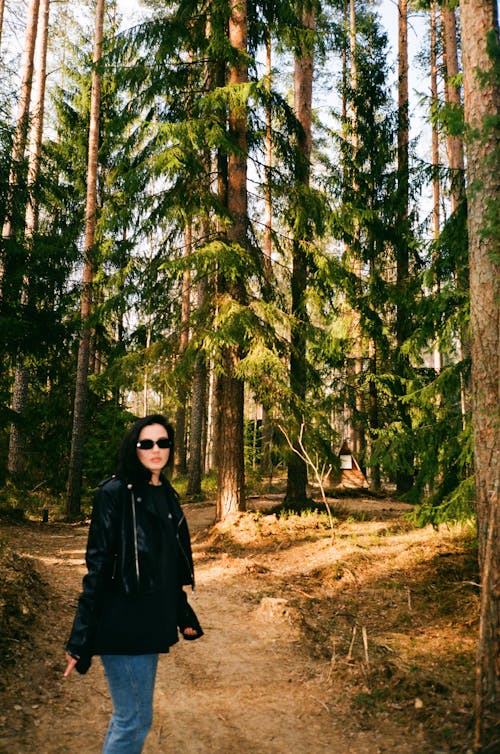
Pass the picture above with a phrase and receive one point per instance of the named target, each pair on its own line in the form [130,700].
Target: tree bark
[303,85]
[198,419]
[199,391]
[180,465]
[198,413]
[268,198]
[17,438]
[479,21]
[455,148]
[267,428]
[2,10]
[73,502]
[22,123]
[436,186]
[452,96]
[403,320]
[356,432]
[231,477]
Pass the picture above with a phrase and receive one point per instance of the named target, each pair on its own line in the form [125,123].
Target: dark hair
[130,469]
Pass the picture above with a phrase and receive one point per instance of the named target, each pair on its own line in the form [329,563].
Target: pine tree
[303,83]
[21,378]
[80,403]
[230,490]
[403,318]
[481,66]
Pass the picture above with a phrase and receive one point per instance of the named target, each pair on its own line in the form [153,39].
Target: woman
[133,602]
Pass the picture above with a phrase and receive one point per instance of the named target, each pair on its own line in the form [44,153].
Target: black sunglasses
[162,442]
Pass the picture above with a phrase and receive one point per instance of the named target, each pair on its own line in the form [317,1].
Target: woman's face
[153,459]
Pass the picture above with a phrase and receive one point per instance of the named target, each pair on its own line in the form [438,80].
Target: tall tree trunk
[268,198]
[436,187]
[198,419]
[452,97]
[347,36]
[182,392]
[403,323]
[355,430]
[267,428]
[22,123]
[2,10]
[303,82]
[199,392]
[479,21]
[213,419]
[230,490]
[214,405]
[37,118]
[81,388]
[455,147]
[17,439]
[375,476]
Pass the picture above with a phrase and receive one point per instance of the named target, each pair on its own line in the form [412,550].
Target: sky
[419,84]
[388,12]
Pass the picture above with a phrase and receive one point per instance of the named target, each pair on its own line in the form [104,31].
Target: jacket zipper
[136,547]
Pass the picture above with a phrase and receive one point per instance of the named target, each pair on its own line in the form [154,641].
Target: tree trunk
[17,439]
[198,410]
[37,118]
[303,83]
[375,476]
[213,420]
[403,322]
[214,403]
[356,431]
[435,130]
[266,464]
[180,466]
[2,9]
[22,122]
[199,393]
[268,199]
[267,428]
[452,96]
[198,415]
[436,187]
[230,491]
[455,147]
[81,388]
[482,106]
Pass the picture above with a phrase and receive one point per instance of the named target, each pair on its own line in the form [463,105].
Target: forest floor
[359,640]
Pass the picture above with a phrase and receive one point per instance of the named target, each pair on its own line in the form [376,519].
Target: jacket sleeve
[100,556]
[186,617]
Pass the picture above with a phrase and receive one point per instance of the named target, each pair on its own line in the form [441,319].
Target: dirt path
[247,687]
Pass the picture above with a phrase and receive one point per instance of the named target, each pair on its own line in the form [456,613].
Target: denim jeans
[131,680]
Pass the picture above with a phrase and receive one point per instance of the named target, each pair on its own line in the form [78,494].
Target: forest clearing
[358,643]
[272,229]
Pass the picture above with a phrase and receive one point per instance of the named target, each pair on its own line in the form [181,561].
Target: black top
[147,622]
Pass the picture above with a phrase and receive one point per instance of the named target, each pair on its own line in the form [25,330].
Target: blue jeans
[131,680]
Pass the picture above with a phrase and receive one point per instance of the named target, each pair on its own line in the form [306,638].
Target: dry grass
[390,609]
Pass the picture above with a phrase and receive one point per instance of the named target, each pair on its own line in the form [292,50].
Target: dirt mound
[23,597]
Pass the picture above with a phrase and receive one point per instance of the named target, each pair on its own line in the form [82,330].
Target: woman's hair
[129,468]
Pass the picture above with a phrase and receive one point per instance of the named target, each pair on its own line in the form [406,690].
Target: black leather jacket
[123,550]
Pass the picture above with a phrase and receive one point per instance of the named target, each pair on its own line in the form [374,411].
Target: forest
[242,216]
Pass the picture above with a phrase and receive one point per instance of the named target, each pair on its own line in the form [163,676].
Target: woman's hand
[71,662]
[190,632]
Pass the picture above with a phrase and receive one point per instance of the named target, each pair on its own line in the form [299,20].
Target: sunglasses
[162,442]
